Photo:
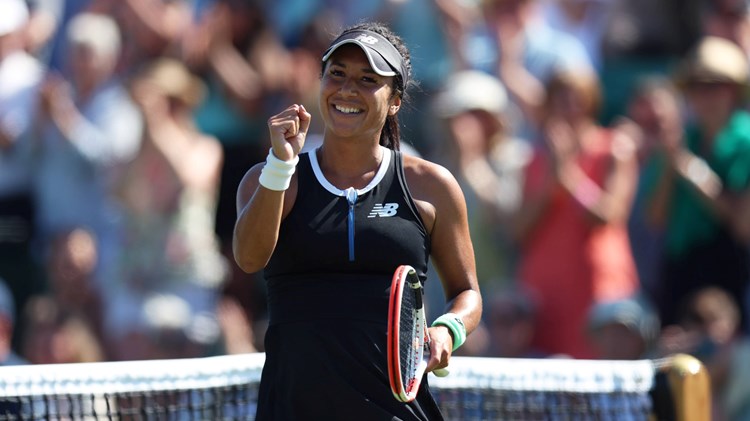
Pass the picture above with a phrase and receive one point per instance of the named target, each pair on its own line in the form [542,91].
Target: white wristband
[277,174]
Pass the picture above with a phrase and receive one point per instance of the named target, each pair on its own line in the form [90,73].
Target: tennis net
[225,388]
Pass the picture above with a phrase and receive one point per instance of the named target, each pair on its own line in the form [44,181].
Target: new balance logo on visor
[368,39]
[383,210]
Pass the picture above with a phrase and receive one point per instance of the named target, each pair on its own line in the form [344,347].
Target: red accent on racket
[408,338]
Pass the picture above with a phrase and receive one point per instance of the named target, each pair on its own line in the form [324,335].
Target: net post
[691,387]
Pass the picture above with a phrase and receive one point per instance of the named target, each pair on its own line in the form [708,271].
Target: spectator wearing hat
[625,329]
[489,162]
[87,129]
[707,180]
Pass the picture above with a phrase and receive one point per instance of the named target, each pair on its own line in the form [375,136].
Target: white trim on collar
[337,191]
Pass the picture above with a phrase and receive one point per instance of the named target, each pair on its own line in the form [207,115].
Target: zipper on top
[351,198]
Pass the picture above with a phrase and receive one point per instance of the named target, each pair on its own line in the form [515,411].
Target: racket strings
[410,336]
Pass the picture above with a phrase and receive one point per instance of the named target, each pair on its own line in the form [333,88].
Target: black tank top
[316,238]
[388,230]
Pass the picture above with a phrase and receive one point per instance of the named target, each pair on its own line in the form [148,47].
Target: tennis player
[330,226]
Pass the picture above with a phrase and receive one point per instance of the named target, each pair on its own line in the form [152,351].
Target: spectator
[586,20]
[41,27]
[168,194]
[510,319]
[706,235]
[55,336]
[489,162]
[625,329]
[165,326]
[246,69]
[433,61]
[644,37]
[729,19]
[646,29]
[56,50]
[516,44]
[654,118]
[577,199]
[71,266]
[150,28]
[709,329]
[20,77]
[87,130]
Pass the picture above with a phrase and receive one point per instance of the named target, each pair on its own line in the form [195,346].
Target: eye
[369,79]
[336,72]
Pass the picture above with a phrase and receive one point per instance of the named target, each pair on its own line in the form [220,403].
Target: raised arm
[612,202]
[266,193]
[443,208]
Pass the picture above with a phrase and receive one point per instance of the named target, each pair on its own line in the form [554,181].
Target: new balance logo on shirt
[383,210]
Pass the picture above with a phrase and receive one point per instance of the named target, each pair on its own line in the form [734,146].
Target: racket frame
[405,278]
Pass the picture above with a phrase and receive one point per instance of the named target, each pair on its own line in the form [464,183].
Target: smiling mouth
[347,110]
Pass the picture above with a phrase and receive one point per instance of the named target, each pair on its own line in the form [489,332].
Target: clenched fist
[288,131]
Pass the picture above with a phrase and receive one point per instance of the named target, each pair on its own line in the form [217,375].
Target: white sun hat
[13,16]
[471,90]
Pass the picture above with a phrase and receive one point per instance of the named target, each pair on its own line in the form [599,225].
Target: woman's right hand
[562,143]
[288,131]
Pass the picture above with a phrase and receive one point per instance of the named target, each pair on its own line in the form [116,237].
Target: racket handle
[441,372]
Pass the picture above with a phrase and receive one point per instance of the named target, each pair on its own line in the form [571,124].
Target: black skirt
[326,355]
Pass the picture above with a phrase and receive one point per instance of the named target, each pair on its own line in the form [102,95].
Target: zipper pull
[351,198]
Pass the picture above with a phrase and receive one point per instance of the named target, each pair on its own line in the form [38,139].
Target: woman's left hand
[441,347]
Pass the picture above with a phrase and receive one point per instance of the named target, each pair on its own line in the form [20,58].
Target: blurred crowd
[603,147]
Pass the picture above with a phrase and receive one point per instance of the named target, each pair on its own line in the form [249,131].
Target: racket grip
[440,372]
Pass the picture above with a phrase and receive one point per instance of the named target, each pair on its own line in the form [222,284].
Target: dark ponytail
[390,137]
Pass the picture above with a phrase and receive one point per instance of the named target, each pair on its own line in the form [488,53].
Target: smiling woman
[355,98]
[330,226]
[384,59]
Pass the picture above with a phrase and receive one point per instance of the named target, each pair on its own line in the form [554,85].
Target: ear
[395,105]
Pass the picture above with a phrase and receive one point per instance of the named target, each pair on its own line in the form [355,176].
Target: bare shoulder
[426,177]
[433,187]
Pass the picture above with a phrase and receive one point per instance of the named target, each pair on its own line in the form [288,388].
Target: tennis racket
[408,338]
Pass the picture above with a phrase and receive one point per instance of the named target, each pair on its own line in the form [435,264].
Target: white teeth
[347,110]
